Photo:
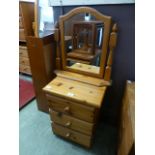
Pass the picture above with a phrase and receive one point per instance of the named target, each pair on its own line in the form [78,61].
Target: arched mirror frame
[107,27]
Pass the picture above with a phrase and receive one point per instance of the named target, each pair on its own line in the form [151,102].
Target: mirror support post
[57,39]
[112,44]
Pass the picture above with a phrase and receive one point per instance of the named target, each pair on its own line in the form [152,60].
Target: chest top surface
[76,91]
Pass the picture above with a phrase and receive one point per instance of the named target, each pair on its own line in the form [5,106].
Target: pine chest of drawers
[24,64]
[74,108]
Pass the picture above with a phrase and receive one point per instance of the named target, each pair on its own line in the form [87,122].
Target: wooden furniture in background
[74,98]
[25,29]
[88,32]
[21,27]
[90,40]
[36,17]
[42,60]
[27,11]
[24,62]
[41,52]
[127,127]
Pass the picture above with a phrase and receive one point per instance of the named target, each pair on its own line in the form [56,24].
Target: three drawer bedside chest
[75,95]
[74,106]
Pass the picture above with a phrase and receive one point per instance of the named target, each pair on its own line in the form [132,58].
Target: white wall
[88,2]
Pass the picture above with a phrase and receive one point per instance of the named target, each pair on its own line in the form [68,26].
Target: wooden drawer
[20,22]
[71,122]
[22,35]
[72,135]
[23,51]
[77,110]
[24,61]
[24,69]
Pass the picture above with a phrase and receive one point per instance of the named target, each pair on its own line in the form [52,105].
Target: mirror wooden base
[74,108]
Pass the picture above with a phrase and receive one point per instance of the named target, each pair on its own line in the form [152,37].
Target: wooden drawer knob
[68,124]
[68,135]
[67,109]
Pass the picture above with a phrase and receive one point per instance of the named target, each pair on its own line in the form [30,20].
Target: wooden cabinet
[24,64]
[21,26]
[127,126]
[40,51]
[74,107]
[42,61]
[22,35]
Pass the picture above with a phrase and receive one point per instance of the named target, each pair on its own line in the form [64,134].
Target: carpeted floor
[36,137]
[26,92]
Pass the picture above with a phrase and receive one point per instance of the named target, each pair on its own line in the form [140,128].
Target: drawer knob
[68,124]
[68,135]
[67,109]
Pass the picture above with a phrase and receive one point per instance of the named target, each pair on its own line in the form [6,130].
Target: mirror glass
[45,18]
[83,38]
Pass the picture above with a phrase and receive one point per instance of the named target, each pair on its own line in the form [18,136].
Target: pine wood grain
[71,122]
[83,78]
[86,68]
[112,45]
[72,135]
[24,61]
[127,126]
[83,93]
[23,51]
[25,69]
[71,108]
[107,24]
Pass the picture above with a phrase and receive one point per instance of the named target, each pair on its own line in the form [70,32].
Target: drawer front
[22,35]
[71,108]
[23,51]
[24,69]
[72,135]
[24,61]
[71,122]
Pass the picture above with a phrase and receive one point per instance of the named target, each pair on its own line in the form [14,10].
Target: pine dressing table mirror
[85,41]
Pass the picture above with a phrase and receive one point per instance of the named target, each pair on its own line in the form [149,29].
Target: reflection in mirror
[83,35]
[45,17]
